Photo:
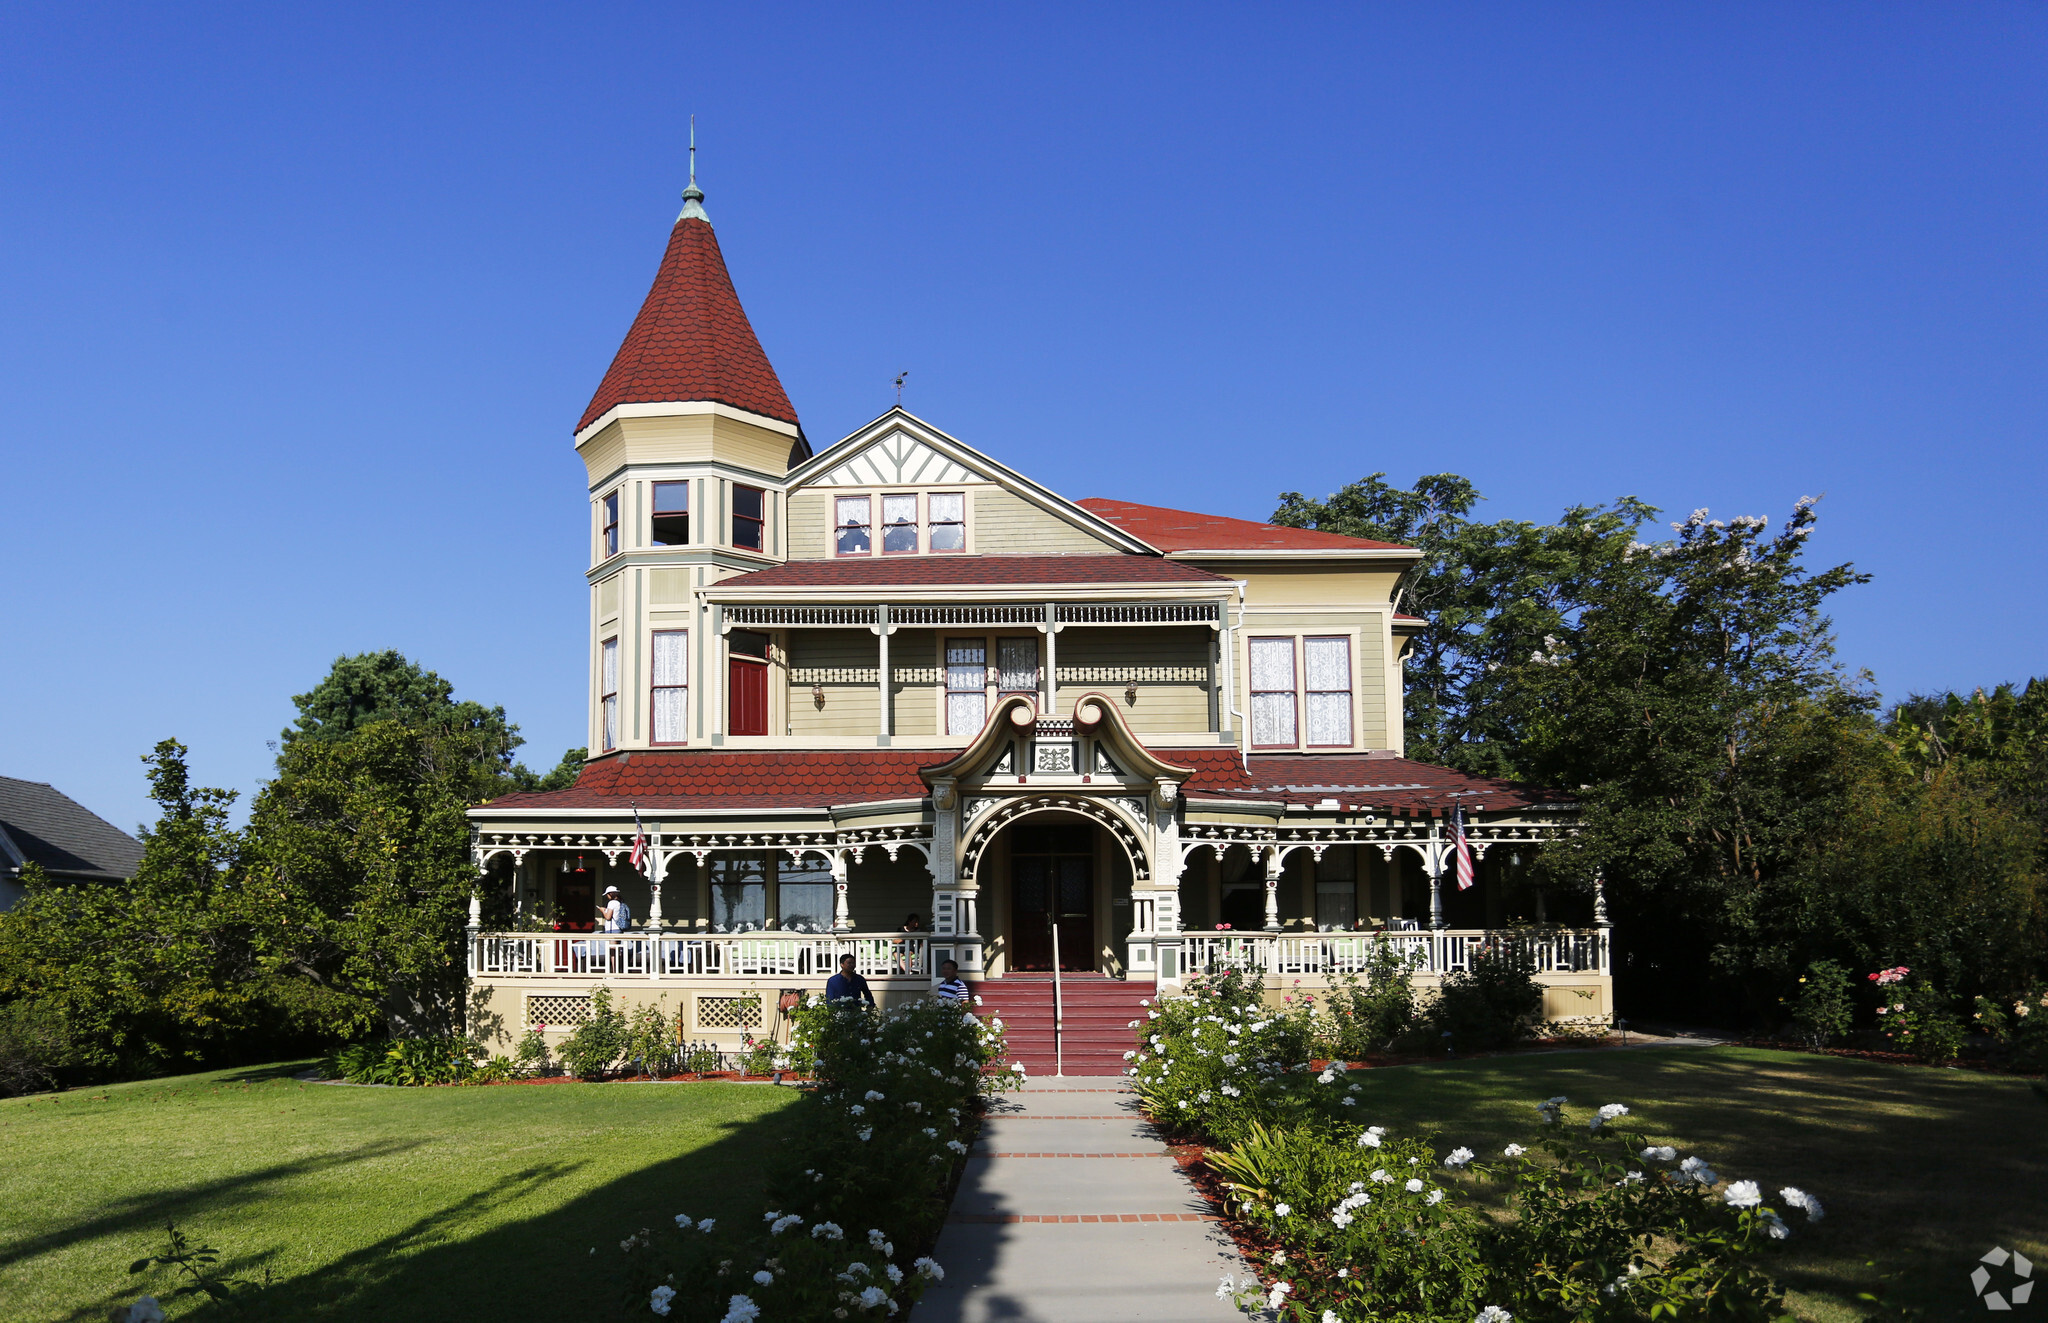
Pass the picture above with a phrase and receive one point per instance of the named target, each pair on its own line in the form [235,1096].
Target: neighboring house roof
[42,825]
[825,778]
[1184,531]
[692,340]
[967,571]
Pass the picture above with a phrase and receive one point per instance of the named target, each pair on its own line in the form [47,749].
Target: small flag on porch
[1463,848]
[639,840]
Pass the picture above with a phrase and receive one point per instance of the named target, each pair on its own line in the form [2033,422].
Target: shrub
[599,1043]
[407,1062]
[531,1056]
[1371,1013]
[1601,1226]
[653,1039]
[1821,1008]
[1917,1017]
[2023,1031]
[1212,1061]
[863,1183]
[1493,1002]
[701,1059]
[35,1045]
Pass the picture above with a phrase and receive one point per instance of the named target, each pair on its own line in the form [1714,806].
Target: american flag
[1463,848]
[639,840]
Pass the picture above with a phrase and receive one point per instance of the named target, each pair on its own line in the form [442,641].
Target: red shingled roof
[713,778]
[1356,780]
[1184,530]
[692,340]
[822,778]
[969,571]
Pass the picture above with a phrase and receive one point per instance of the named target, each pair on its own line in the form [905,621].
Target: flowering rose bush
[860,1190]
[1600,1226]
[1917,1017]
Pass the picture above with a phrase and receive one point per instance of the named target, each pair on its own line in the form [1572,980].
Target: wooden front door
[1052,882]
[749,688]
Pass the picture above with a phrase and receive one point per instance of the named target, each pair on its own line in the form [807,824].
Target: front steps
[1097,1019]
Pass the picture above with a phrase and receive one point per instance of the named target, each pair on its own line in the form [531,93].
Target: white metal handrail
[718,955]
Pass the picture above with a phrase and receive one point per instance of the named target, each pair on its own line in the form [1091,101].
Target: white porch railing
[1553,951]
[739,955]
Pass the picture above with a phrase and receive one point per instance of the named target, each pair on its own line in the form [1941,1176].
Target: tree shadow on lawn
[540,1267]
[1921,1170]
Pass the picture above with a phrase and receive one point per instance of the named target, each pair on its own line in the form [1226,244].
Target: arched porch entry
[1054,869]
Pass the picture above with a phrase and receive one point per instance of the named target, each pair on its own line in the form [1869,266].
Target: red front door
[748,687]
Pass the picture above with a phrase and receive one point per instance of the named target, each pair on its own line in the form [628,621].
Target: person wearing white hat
[618,916]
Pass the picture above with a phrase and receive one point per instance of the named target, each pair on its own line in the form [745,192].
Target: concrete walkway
[1071,1211]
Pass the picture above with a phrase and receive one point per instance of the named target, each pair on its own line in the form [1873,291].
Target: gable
[897,460]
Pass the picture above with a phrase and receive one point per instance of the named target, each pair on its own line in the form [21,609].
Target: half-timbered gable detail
[898,700]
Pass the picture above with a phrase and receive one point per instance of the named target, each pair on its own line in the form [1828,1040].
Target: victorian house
[894,698]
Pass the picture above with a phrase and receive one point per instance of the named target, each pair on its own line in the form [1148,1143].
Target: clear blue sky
[302,302]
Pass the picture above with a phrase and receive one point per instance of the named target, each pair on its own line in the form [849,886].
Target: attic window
[671,514]
[948,522]
[851,530]
[899,525]
[747,517]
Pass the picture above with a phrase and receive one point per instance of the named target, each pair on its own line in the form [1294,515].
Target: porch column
[1052,675]
[1602,931]
[476,923]
[882,631]
[842,919]
[1273,867]
[657,865]
[1433,860]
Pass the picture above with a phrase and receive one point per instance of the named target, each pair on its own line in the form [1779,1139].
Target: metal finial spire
[693,196]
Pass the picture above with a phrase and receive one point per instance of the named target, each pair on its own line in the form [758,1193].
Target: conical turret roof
[692,340]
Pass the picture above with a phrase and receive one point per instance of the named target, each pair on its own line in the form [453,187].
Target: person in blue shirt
[846,983]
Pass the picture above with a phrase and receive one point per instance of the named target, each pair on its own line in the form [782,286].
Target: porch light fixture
[1131,694]
[1515,859]
[818,694]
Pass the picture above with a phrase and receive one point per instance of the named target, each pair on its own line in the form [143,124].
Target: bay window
[749,517]
[608,692]
[671,686]
[608,536]
[671,514]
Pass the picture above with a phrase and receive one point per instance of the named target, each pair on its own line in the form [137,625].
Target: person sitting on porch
[906,955]
[847,984]
[618,916]
[950,986]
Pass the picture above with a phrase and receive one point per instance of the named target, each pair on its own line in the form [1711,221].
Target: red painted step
[1095,1024]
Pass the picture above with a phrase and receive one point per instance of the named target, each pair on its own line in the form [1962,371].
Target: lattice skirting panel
[557,1011]
[729,1012]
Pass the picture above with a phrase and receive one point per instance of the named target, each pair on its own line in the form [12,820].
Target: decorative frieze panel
[1119,675]
[1138,613]
[668,844]
[799,617]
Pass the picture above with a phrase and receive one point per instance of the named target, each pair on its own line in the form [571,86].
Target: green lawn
[372,1203]
[1921,1171]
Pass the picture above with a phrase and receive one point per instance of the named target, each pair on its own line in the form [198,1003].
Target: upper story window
[850,526]
[1272,686]
[609,537]
[1326,666]
[966,686]
[671,686]
[899,525]
[1017,665]
[948,522]
[748,505]
[671,514]
[608,692]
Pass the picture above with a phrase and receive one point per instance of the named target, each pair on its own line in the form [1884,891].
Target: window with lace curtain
[1326,671]
[1017,665]
[1273,692]
[671,688]
[966,686]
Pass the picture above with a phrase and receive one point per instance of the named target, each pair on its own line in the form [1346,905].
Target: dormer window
[609,536]
[851,527]
[948,522]
[747,518]
[899,525]
[671,514]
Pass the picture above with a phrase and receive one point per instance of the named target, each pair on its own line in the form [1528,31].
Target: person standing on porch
[847,984]
[617,915]
[951,987]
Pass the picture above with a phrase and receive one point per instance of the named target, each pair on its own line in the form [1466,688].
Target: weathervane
[899,386]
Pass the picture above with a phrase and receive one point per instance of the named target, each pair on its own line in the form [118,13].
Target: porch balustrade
[654,956]
[1553,951]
